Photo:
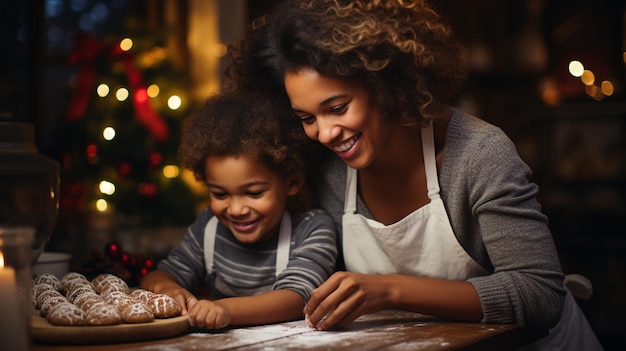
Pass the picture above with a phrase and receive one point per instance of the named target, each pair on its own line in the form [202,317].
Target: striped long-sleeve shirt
[250,269]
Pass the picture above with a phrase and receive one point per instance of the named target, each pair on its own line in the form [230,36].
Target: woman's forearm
[438,297]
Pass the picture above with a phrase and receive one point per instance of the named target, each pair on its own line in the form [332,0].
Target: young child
[260,261]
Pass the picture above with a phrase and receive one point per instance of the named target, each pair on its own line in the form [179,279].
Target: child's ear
[294,183]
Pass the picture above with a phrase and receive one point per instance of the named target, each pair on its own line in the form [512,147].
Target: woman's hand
[209,314]
[344,297]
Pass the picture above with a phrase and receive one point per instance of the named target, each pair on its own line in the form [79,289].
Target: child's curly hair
[402,49]
[249,124]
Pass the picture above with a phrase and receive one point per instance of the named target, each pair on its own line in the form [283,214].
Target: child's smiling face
[247,196]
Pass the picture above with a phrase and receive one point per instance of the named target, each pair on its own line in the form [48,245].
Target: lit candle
[13,331]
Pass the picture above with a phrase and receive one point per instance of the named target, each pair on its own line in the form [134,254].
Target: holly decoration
[114,260]
[137,265]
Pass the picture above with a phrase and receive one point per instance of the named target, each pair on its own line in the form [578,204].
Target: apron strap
[284,243]
[350,196]
[430,161]
[282,249]
[210,231]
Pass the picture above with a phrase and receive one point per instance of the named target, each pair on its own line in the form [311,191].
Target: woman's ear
[294,183]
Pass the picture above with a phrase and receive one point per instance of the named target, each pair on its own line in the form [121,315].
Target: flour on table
[296,335]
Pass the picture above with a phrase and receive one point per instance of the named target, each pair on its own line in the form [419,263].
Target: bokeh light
[153,90]
[126,44]
[106,187]
[576,68]
[174,102]
[607,88]
[171,171]
[588,78]
[122,94]
[102,205]
[103,90]
[92,150]
[108,133]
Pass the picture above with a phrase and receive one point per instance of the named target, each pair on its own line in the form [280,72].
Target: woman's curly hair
[403,49]
[248,124]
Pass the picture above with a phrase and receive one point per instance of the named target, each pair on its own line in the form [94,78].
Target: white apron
[572,333]
[282,249]
[422,243]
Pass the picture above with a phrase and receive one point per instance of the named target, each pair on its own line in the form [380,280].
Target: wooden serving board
[46,333]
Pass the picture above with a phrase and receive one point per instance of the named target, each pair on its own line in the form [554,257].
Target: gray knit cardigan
[492,207]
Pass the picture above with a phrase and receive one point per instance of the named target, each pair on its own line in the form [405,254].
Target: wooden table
[387,330]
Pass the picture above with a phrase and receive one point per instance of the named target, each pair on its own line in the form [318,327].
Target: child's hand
[209,314]
[185,299]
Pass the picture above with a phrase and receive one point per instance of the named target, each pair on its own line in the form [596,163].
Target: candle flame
[1,260]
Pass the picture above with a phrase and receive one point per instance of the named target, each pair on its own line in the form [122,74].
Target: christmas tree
[121,131]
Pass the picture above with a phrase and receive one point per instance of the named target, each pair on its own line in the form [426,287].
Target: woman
[436,209]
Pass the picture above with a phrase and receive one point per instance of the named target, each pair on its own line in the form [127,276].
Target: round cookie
[111,286]
[102,314]
[136,313]
[72,278]
[44,296]
[142,295]
[101,282]
[66,313]
[51,302]
[38,289]
[88,299]
[47,278]
[100,278]
[114,297]
[164,306]
[76,283]
[77,290]
[123,303]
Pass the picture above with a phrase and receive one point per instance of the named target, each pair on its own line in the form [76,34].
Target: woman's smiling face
[340,114]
